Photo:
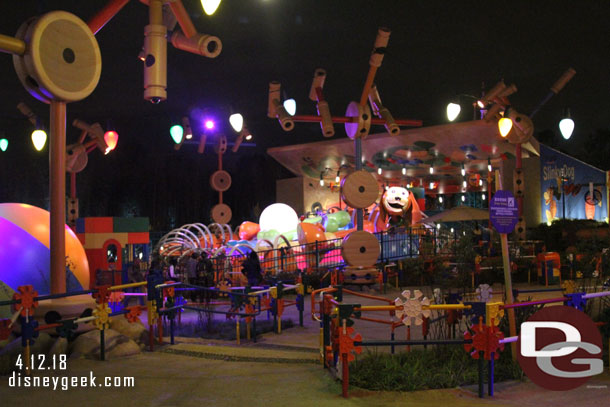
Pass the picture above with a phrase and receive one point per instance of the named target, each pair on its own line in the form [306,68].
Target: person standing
[251,268]
[191,273]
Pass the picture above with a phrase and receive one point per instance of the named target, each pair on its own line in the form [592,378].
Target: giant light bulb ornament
[39,139]
[566,126]
[453,110]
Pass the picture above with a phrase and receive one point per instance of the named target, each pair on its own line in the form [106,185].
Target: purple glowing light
[209,124]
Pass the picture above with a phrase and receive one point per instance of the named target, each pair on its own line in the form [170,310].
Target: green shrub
[441,367]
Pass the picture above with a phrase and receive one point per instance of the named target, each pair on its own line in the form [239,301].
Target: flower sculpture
[412,307]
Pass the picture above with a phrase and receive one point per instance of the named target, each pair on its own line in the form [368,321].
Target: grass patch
[224,330]
[438,368]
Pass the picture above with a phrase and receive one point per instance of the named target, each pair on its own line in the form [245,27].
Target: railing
[324,255]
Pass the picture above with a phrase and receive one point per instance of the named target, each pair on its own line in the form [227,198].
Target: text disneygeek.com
[44,363]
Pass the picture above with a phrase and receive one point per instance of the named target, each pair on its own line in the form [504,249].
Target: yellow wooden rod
[12,45]
[395,307]
[120,287]
[237,330]
[447,306]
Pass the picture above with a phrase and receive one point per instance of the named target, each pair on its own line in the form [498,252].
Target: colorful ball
[25,255]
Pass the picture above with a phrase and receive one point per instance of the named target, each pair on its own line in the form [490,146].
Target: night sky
[437,50]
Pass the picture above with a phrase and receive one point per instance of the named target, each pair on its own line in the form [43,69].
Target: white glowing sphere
[280,217]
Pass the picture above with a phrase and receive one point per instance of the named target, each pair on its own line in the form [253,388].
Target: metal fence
[324,255]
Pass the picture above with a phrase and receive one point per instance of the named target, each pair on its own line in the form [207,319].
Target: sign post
[504,215]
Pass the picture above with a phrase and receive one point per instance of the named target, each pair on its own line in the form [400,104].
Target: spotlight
[438,226]
[3,144]
[379,170]
[440,199]
[338,178]
[432,185]
[464,184]
[275,108]
[248,137]
[494,92]
[463,198]
[453,110]
[452,230]
[483,196]
[489,164]
[209,124]
[463,171]
[480,182]
[322,179]
[315,94]
[404,170]
[95,131]
[380,111]
[186,125]
[431,170]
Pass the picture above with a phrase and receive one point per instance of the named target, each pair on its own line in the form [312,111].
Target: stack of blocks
[97,233]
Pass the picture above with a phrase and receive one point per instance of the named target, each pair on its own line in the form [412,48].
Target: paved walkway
[278,370]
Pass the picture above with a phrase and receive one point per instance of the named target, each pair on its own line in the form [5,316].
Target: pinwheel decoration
[412,308]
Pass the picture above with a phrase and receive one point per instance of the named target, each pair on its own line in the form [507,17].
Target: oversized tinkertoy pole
[58,61]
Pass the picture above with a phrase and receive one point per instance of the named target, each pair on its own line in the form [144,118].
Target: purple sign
[504,211]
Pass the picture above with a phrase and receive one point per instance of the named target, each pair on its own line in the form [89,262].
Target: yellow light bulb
[39,138]
[505,125]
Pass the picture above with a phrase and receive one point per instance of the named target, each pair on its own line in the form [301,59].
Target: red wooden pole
[345,383]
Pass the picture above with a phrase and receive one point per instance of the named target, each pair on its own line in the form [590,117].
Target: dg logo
[560,348]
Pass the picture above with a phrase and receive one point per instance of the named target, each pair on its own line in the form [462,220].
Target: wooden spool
[360,275]
[221,213]
[359,189]
[62,61]
[76,158]
[362,125]
[360,249]
[522,131]
[220,180]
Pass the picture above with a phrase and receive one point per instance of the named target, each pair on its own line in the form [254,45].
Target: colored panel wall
[128,225]
[565,184]
[97,240]
[80,225]
[138,238]
[98,225]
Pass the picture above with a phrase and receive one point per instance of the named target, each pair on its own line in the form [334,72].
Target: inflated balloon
[24,252]
[248,230]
